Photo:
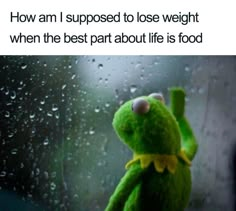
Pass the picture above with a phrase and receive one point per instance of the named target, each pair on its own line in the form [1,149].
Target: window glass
[59,150]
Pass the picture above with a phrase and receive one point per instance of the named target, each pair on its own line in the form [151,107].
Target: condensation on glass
[58,149]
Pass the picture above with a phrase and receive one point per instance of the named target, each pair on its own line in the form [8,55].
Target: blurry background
[58,150]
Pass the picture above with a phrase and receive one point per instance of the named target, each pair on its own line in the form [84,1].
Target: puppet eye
[140,106]
[158,96]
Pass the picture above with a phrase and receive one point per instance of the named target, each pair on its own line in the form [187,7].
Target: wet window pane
[58,149]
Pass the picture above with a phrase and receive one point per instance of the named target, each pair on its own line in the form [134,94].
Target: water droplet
[22,165]
[133,89]
[193,90]
[107,105]
[116,93]
[53,186]
[187,68]
[7,91]
[14,151]
[42,102]
[57,115]
[156,62]
[49,114]
[37,171]
[46,175]
[69,66]
[23,66]
[63,86]
[91,131]
[3,174]
[54,107]
[93,60]
[53,174]
[100,66]
[33,131]
[45,64]
[7,114]
[32,115]
[73,76]
[46,141]
[13,95]
[100,80]
[75,196]
[10,135]
[121,102]
[97,109]
[201,90]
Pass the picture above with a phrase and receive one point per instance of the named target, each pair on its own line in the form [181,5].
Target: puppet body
[158,178]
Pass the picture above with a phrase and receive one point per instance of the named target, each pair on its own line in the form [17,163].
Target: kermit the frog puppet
[158,178]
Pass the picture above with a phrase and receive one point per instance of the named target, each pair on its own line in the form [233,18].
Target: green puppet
[158,177]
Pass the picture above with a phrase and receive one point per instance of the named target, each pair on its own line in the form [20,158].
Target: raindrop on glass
[187,68]
[133,89]
[14,151]
[100,80]
[57,115]
[138,66]
[97,109]
[46,176]
[53,174]
[76,196]
[37,171]
[7,114]
[10,135]
[7,91]
[46,141]
[13,95]
[201,90]
[33,131]
[23,66]
[42,102]
[63,86]
[54,107]
[100,66]
[49,114]
[91,131]
[3,174]
[32,115]
[53,186]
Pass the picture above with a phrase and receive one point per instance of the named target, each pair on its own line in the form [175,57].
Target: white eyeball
[158,96]
[140,106]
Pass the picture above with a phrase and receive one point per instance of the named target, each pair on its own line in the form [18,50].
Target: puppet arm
[189,143]
[124,188]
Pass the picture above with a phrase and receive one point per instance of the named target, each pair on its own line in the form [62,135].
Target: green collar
[160,161]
